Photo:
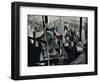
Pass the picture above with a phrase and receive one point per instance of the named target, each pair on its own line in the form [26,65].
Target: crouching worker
[81,55]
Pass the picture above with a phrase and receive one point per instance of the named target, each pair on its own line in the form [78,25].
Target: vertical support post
[45,22]
[34,36]
[46,19]
[80,28]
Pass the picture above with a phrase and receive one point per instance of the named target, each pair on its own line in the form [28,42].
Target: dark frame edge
[14,42]
[51,5]
[56,76]
[96,39]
